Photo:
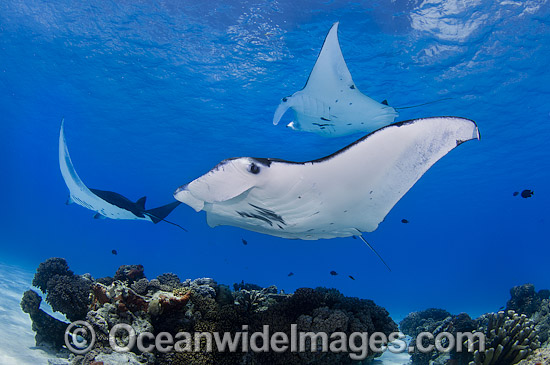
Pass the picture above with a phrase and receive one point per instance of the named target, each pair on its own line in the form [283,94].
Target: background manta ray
[330,104]
[107,204]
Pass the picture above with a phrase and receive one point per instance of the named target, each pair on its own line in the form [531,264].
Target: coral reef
[49,268]
[510,337]
[129,273]
[422,321]
[65,292]
[435,321]
[166,304]
[205,287]
[140,286]
[169,281]
[538,357]
[536,305]
[69,295]
[49,331]
[524,299]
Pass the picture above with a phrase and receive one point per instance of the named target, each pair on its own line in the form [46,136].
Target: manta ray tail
[158,214]
[416,106]
[373,250]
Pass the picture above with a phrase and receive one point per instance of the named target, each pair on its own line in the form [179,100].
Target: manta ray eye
[285,99]
[253,168]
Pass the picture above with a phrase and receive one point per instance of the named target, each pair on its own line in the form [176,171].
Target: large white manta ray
[330,104]
[106,204]
[341,195]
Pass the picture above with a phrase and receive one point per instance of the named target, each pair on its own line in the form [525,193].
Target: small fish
[527,193]
[290,274]
[351,277]
[114,252]
[333,273]
[244,241]
[515,193]
[404,220]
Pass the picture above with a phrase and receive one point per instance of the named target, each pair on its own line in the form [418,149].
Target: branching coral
[250,300]
[509,338]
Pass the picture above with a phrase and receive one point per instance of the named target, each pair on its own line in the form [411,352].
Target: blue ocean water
[155,93]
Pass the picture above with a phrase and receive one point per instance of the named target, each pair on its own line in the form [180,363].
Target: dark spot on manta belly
[267,214]
[256,216]
[352,87]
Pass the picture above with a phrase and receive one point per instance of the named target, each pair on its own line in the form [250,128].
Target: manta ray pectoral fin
[69,200]
[99,216]
[141,202]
